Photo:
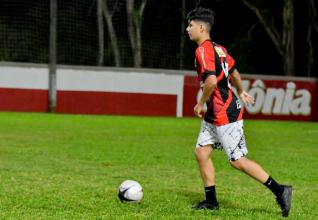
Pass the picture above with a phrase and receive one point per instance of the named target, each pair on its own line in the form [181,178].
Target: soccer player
[222,126]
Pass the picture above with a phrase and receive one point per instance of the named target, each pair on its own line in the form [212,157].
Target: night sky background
[24,34]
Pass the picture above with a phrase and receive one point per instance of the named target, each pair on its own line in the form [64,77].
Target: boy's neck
[199,42]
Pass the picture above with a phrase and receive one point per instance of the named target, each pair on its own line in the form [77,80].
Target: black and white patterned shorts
[229,137]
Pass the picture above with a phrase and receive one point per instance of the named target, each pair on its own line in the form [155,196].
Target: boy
[222,126]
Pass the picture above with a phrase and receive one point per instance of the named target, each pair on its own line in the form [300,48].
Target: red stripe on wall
[86,102]
[24,100]
[190,91]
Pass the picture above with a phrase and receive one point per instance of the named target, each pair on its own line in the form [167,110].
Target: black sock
[276,188]
[210,194]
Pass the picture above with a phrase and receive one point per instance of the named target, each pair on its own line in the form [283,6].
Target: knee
[197,155]
[201,155]
[238,164]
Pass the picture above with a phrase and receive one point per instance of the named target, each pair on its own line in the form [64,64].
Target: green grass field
[69,167]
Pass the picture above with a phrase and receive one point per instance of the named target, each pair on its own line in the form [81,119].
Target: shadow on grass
[225,204]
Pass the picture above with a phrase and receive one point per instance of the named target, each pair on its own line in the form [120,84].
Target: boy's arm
[209,85]
[245,97]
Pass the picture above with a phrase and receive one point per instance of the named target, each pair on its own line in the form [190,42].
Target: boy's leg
[208,178]
[207,137]
[251,168]
[255,171]
[283,193]
[233,141]
[206,167]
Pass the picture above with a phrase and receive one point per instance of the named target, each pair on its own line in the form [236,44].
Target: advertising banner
[280,99]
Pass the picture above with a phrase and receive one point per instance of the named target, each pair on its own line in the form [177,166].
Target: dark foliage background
[24,34]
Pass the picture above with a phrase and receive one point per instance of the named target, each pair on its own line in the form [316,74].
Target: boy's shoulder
[205,46]
[210,45]
[219,47]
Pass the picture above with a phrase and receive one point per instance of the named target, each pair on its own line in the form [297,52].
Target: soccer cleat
[284,200]
[206,205]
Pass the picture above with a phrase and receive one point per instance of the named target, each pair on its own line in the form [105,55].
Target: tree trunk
[138,23]
[100,58]
[134,20]
[288,38]
[112,34]
[182,40]
[283,42]
[130,26]
[311,25]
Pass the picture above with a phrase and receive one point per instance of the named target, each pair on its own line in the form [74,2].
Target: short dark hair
[202,14]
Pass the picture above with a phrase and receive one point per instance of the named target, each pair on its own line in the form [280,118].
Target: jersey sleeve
[206,59]
[231,63]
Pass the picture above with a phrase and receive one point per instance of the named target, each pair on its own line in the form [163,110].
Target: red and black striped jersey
[223,107]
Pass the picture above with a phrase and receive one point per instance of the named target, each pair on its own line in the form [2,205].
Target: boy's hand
[247,98]
[198,109]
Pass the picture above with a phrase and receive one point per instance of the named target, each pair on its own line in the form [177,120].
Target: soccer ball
[130,191]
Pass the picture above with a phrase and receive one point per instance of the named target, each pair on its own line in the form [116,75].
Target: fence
[93,33]
[125,91]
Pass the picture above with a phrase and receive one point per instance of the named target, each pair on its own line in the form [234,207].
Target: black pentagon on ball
[122,197]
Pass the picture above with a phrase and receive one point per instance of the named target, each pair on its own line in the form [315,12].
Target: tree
[134,19]
[108,15]
[284,39]
[100,25]
[312,24]
[182,39]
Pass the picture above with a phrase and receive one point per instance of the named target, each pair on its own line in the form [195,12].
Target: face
[195,30]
